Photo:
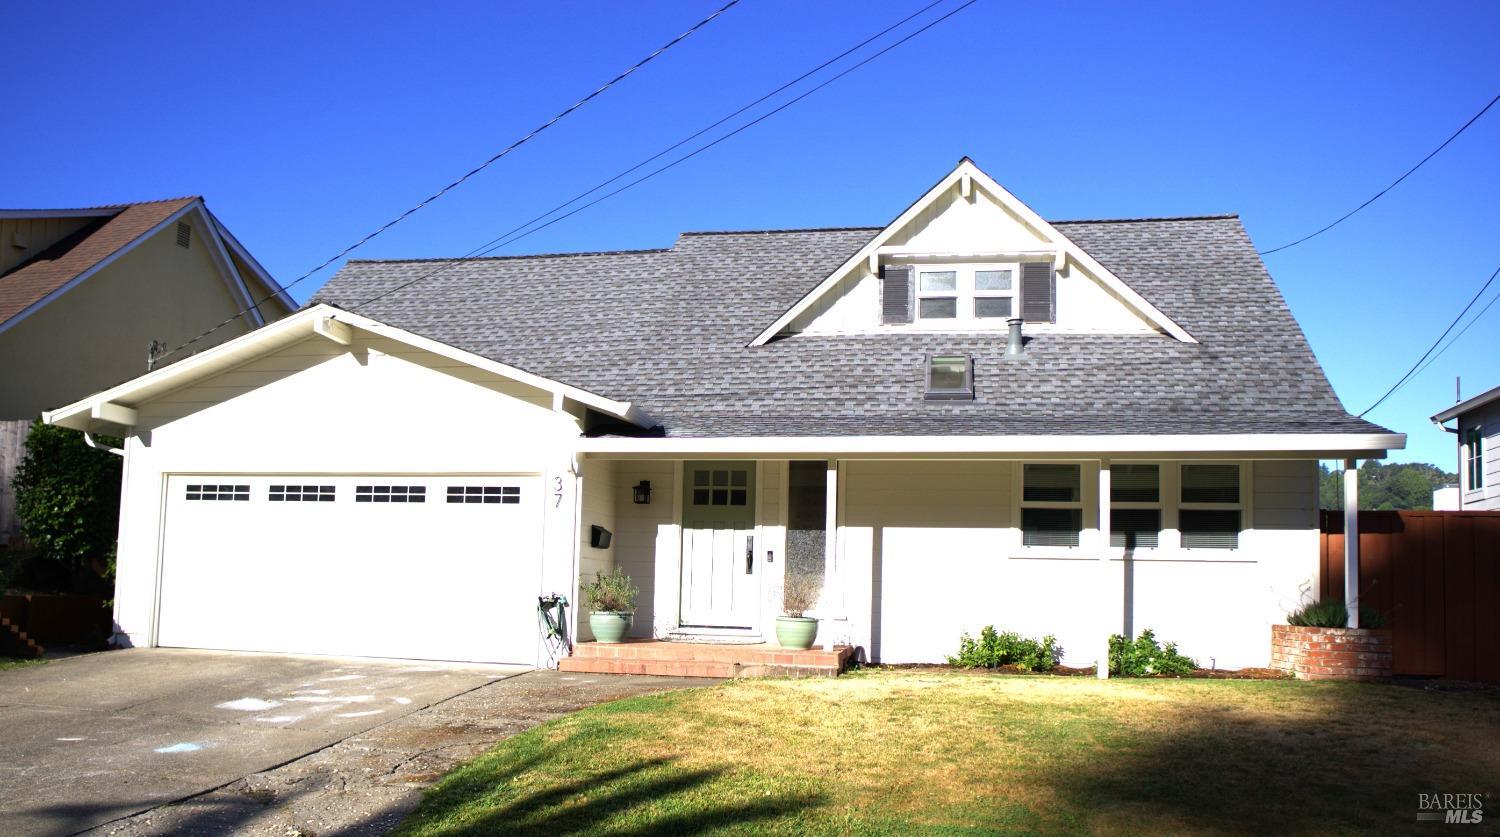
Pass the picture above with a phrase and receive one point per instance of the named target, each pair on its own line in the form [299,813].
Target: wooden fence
[1436,578]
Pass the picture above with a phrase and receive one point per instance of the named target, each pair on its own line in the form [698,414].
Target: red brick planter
[1331,653]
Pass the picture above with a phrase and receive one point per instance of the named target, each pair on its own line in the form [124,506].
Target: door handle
[750,555]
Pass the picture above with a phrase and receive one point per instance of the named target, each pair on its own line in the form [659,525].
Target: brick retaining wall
[1331,653]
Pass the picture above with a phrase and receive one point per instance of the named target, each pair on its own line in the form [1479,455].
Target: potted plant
[800,592]
[610,598]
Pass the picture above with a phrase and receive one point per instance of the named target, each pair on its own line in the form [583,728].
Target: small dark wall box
[599,537]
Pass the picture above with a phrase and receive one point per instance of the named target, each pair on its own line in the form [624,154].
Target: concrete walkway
[165,741]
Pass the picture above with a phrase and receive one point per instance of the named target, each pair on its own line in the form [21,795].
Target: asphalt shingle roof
[668,330]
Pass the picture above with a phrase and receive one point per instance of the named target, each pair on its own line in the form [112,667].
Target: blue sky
[306,125]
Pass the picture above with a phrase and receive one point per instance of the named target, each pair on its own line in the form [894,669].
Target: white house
[402,468]
[1477,426]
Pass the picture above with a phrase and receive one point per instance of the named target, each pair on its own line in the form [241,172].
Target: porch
[911,552]
[698,659]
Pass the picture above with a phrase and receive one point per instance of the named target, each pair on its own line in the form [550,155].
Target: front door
[720,577]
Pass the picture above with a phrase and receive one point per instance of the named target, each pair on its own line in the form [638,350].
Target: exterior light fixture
[641,493]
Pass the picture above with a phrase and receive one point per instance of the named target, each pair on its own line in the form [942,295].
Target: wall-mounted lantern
[641,493]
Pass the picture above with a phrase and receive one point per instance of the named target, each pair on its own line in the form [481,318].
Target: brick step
[691,668]
[15,643]
[746,655]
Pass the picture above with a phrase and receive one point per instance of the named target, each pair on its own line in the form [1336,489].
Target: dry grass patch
[898,751]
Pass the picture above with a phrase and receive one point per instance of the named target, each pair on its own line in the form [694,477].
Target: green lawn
[931,751]
[12,662]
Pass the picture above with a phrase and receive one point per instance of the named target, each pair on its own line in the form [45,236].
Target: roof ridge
[119,206]
[775,232]
[1220,217]
[510,258]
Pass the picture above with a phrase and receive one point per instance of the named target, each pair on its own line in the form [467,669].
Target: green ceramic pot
[796,631]
[609,626]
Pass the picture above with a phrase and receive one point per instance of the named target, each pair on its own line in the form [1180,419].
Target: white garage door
[436,568]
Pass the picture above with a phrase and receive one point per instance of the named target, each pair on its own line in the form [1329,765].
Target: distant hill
[1398,485]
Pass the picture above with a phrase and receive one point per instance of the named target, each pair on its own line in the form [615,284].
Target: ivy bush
[1144,656]
[1331,613]
[992,650]
[610,592]
[68,502]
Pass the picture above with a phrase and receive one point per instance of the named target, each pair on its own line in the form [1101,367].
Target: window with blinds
[1135,506]
[1051,505]
[1209,515]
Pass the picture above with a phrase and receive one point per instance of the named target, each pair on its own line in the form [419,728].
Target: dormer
[967,257]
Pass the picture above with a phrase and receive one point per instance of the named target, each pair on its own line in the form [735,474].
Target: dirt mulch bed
[1068,671]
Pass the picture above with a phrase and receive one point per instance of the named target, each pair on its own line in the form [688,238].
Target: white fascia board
[24,214]
[103,263]
[314,320]
[1462,407]
[239,292]
[1250,445]
[967,168]
[261,274]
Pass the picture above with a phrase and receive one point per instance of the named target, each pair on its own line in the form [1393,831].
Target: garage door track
[158,741]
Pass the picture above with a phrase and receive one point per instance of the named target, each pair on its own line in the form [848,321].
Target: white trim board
[1233,445]
[969,175]
[318,320]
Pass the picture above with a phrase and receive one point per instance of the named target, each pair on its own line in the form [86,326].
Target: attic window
[950,377]
[184,234]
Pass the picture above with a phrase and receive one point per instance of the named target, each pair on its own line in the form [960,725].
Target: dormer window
[966,293]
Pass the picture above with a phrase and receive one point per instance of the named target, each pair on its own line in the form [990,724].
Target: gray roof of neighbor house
[668,330]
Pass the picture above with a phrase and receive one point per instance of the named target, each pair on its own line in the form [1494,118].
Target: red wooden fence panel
[1436,578]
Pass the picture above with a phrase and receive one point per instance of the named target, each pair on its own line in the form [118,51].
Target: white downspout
[1351,541]
[89,440]
[1106,606]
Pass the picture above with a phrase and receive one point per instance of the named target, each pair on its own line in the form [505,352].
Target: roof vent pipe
[1013,347]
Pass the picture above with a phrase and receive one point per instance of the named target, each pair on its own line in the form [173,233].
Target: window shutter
[897,294]
[1038,292]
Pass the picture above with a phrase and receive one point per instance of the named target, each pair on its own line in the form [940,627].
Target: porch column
[1351,541]
[831,583]
[1106,594]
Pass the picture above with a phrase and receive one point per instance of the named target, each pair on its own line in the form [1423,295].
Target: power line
[1412,371]
[1377,196]
[505,236]
[470,173]
[1460,334]
[502,241]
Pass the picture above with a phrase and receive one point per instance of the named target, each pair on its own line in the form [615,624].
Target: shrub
[1145,656]
[800,592]
[993,649]
[1332,613]
[68,501]
[610,592]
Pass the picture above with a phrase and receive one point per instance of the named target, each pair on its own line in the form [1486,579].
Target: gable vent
[184,234]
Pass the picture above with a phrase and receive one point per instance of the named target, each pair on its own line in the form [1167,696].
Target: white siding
[1488,497]
[645,531]
[598,509]
[944,553]
[956,225]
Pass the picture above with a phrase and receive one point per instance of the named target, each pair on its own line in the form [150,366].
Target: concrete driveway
[155,741]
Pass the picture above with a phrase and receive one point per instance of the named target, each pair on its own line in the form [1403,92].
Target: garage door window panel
[390,494]
[485,494]
[197,491]
[301,494]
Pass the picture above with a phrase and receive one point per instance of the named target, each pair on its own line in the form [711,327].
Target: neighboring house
[406,479]
[1445,498]
[85,292]
[1478,432]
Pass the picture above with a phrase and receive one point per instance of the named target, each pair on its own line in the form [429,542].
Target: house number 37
[557,492]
